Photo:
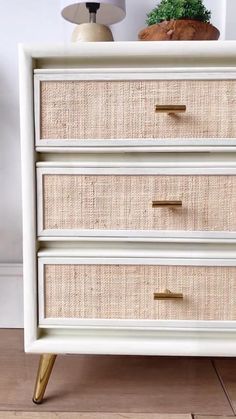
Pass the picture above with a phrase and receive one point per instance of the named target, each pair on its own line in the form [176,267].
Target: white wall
[230,29]
[31,21]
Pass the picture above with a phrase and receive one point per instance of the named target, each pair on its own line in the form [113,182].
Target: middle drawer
[72,202]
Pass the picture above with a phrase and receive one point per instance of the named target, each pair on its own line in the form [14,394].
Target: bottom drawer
[126,291]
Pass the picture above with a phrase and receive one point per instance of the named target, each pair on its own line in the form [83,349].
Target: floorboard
[209,417]
[226,368]
[102,415]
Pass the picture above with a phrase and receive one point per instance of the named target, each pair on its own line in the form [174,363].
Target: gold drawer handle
[171,109]
[157,204]
[168,295]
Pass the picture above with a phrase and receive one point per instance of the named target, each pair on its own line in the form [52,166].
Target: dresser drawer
[71,203]
[137,291]
[125,109]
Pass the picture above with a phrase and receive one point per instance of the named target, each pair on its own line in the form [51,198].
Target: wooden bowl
[180,30]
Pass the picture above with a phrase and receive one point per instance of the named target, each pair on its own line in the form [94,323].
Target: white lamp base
[92,32]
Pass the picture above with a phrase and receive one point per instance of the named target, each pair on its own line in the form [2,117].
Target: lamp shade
[110,11]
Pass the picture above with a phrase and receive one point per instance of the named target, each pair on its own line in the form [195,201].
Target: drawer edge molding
[132,269]
[42,139]
[144,229]
[137,146]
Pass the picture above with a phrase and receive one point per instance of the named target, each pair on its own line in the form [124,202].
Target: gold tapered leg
[44,371]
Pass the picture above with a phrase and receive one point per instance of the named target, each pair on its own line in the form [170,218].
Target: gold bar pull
[156,204]
[170,109]
[168,295]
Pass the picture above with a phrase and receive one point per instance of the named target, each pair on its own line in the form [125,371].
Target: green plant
[178,9]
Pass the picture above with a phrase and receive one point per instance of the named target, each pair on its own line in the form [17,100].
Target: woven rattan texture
[110,202]
[126,109]
[126,292]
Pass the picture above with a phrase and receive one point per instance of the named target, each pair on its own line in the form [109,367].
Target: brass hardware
[170,109]
[157,204]
[44,371]
[168,295]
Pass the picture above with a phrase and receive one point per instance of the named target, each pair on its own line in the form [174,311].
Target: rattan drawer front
[127,292]
[126,109]
[111,202]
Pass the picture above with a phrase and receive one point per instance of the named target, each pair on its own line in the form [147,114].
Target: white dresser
[129,199]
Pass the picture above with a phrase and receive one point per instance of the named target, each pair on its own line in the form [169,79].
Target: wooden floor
[114,387]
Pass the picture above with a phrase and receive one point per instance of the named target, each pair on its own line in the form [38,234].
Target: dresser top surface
[145,54]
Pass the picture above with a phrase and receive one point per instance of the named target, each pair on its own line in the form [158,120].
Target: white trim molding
[11,296]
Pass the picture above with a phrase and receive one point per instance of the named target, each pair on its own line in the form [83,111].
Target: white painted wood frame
[215,58]
[161,259]
[198,168]
[126,74]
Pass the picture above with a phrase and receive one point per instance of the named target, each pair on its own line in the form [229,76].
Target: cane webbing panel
[111,202]
[126,292]
[126,109]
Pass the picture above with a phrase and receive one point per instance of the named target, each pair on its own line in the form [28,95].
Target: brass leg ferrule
[44,371]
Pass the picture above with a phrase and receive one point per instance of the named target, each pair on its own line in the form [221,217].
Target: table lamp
[92,17]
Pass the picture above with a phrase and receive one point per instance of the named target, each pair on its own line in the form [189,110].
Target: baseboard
[11,295]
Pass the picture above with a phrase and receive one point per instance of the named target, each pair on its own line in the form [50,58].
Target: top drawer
[82,110]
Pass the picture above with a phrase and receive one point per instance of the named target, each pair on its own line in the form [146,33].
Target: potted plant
[179,20]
